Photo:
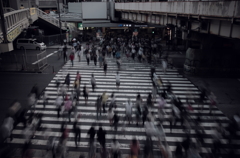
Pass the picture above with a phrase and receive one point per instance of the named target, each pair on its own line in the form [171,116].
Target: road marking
[44,57]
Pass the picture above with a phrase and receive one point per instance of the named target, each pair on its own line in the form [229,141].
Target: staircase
[17,20]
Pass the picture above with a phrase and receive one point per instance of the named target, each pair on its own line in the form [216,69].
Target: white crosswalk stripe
[134,78]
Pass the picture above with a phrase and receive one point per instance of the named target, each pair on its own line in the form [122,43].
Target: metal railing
[14,21]
[50,18]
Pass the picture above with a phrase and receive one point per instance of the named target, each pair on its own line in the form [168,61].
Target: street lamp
[60,24]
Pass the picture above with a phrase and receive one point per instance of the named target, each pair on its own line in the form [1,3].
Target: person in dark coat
[67,80]
[101,134]
[91,133]
[105,67]
[77,132]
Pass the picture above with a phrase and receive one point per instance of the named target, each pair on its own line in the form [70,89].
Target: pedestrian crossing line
[134,78]
[83,76]
[122,109]
[121,138]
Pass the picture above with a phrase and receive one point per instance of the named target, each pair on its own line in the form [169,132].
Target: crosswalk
[134,78]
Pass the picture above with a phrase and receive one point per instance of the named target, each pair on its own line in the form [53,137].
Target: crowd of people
[141,111]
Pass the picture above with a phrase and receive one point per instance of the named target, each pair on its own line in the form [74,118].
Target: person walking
[98,106]
[101,136]
[149,101]
[93,82]
[134,148]
[65,53]
[91,133]
[59,103]
[117,80]
[104,100]
[105,67]
[88,57]
[79,53]
[128,109]
[85,94]
[71,57]
[100,59]
[95,58]
[67,80]
[77,132]
[115,121]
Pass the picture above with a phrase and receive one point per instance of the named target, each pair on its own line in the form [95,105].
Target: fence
[42,60]
[52,39]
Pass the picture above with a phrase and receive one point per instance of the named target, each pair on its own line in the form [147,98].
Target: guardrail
[49,18]
[228,9]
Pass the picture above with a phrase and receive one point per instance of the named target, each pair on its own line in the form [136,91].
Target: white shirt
[115,146]
[128,107]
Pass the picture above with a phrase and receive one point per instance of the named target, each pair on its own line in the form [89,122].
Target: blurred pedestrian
[65,53]
[105,67]
[95,58]
[113,101]
[71,57]
[117,80]
[134,148]
[58,103]
[100,59]
[164,66]
[110,116]
[149,101]
[104,100]
[77,132]
[91,133]
[85,93]
[79,53]
[115,121]
[101,136]
[67,80]
[45,99]
[88,57]
[115,148]
[98,106]
[145,113]
[128,108]
[93,82]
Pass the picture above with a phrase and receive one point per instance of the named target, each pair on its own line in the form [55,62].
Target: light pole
[60,24]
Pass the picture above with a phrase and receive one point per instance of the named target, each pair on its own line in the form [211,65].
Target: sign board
[94,10]
[13,34]
[141,25]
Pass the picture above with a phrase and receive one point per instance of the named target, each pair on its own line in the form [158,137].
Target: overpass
[221,18]
[17,20]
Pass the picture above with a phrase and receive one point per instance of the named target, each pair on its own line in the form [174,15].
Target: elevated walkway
[220,18]
[17,20]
